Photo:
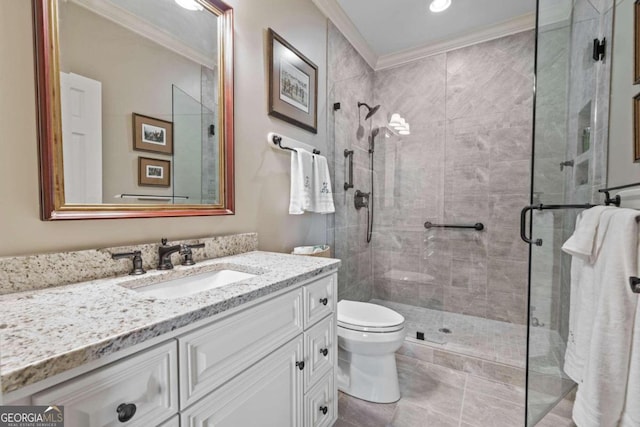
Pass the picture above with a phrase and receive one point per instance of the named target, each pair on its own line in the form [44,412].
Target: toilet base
[371,378]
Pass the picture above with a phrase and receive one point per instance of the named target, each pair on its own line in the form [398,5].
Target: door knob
[300,365]
[324,410]
[324,352]
[324,301]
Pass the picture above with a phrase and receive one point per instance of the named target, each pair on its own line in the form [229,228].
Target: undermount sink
[185,286]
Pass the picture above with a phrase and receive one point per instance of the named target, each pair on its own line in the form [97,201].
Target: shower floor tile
[486,339]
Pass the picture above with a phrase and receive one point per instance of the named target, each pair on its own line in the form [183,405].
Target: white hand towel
[301,176]
[321,194]
[602,392]
[581,242]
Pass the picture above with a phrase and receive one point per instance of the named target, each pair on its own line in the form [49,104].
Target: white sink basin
[185,286]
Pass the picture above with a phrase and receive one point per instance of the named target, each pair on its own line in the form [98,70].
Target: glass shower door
[569,165]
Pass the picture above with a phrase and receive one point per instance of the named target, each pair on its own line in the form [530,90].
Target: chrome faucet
[164,255]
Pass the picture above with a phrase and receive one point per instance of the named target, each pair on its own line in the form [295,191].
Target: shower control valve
[361,199]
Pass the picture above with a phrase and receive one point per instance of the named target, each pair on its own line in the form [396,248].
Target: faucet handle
[136,257]
[187,253]
[164,241]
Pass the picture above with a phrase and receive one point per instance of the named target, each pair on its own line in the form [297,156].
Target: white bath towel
[581,241]
[601,394]
[582,245]
[321,194]
[631,411]
[301,176]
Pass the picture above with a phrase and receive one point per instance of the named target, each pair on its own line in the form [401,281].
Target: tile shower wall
[350,81]
[467,160]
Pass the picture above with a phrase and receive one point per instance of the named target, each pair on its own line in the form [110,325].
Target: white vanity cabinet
[270,364]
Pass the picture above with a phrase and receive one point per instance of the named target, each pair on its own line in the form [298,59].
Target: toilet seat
[366,317]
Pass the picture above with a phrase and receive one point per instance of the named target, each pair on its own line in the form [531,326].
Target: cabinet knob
[300,365]
[324,351]
[126,411]
[324,410]
[324,301]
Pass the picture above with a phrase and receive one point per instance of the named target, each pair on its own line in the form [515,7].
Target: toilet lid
[367,316]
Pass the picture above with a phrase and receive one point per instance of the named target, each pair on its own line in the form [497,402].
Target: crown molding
[506,28]
[134,23]
[332,10]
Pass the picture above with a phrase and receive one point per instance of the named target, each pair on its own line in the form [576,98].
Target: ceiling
[193,34]
[391,27]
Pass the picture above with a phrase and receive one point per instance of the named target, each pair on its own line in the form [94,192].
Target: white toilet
[368,337]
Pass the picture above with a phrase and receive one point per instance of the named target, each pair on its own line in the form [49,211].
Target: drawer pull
[300,365]
[126,411]
[324,410]
[324,351]
[324,301]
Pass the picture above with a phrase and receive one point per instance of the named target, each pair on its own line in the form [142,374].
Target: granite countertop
[49,331]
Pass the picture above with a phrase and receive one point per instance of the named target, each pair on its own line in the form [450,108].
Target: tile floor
[436,396]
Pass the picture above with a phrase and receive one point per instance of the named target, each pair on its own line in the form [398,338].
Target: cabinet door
[269,394]
[321,403]
[147,380]
[320,351]
[218,352]
[319,299]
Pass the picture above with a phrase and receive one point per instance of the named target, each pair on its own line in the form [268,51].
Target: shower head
[372,110]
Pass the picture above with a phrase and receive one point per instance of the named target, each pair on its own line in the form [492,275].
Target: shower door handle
[523,226]
[349,154]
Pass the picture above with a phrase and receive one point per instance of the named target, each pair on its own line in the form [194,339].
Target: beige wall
[622,169]
[262,174]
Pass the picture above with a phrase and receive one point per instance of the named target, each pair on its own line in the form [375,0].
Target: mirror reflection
[139,84]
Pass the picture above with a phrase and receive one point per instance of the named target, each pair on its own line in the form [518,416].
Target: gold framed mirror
[135,108]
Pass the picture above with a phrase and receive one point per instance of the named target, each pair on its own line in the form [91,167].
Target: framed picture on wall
[154,172]
[293,84]
[151,134]
[636,26]
[636,128]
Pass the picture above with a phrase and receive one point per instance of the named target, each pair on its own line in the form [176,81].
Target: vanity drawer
[319,299]
[320,399]
[215,353]
[148,381]
[318,341]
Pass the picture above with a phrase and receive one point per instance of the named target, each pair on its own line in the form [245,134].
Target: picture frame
[152,135]
[636,128]
[293,84]
[154,172]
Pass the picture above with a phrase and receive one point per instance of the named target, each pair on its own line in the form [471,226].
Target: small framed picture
[154,172]
[636,128]
[293,85]
[153,135]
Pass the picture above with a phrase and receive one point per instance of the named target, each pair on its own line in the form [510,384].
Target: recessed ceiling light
[190,4]
[437,6]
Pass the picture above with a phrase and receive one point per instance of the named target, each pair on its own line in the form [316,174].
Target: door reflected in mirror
[138,79]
